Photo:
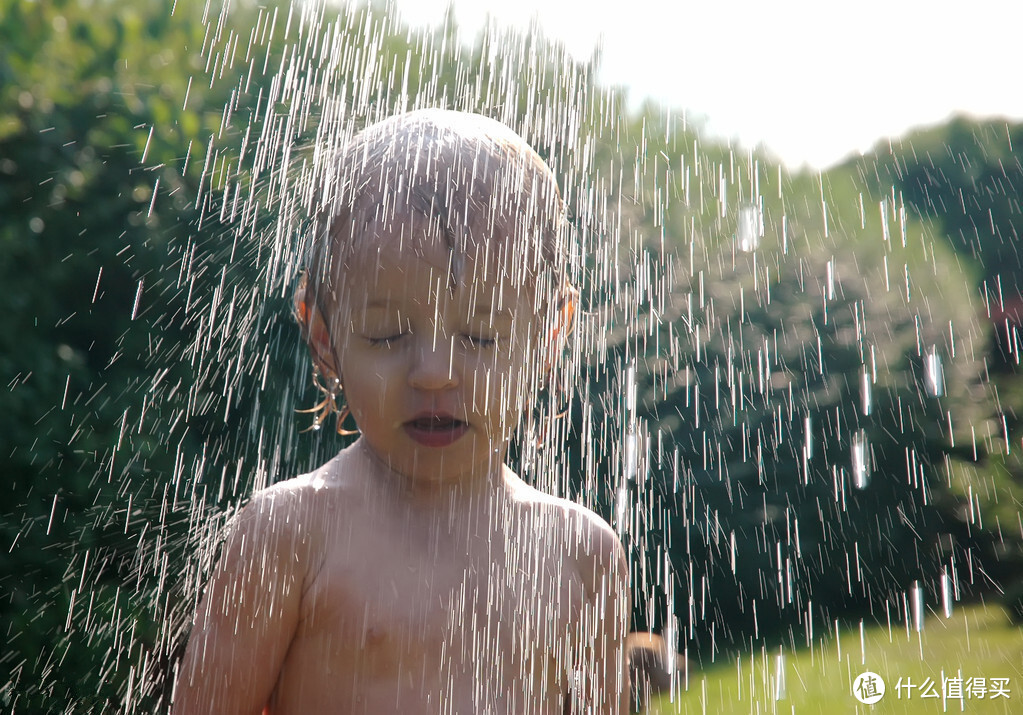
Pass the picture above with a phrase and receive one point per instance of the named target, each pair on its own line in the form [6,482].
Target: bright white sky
[811,80]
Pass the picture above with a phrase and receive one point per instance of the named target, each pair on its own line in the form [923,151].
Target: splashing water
[860,460]
[916,600]
[750,342]
[947,597]
[779,677]
[651,248]
[750,228]
[935,379]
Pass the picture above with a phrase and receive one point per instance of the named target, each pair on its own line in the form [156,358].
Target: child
[415,572]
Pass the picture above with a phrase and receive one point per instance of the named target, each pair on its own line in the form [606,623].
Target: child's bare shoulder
[296,506]
[590,541]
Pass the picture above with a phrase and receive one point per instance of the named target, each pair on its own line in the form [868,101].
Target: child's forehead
[407,257]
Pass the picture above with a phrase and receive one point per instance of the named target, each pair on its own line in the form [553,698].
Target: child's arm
[248,615]
[605,680]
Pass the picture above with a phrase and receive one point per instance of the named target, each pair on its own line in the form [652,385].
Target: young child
[415,572]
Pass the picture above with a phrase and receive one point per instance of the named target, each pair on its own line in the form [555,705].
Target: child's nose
[432,367]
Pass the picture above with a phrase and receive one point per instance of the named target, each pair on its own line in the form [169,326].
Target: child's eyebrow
[379,304]
[490,312]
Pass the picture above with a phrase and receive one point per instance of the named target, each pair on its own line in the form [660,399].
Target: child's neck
[470,492]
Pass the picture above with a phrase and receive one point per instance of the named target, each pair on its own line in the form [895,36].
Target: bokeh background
[803,410]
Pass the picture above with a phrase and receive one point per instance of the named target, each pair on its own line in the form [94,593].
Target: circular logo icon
[868,687]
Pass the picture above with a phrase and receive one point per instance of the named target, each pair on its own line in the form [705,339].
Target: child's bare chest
[424,612]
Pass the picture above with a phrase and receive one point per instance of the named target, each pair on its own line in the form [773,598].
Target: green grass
[976,641]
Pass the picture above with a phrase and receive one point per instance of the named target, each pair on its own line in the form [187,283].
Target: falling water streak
[53,512]
[947,595]
[838,642]
[750,228]
[860,460]
[779,677]
[863,644]
[917,604]
[294,97]
[138,298]
[865,393]
[67,386]
[934,375]
[808,437]
[152,200]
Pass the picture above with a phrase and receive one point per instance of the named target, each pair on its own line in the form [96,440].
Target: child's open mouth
[432,430]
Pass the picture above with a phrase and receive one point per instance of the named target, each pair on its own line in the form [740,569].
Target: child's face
[436,364]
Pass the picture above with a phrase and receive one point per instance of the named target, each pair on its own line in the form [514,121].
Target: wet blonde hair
[473,181]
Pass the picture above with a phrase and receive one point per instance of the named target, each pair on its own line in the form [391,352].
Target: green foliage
[154,173]
[737,351]
[963,177]
[96,195]
[967,175]
[151,367]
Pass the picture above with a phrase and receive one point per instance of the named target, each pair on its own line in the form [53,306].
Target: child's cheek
[484,381]
[519,371]
[370,368]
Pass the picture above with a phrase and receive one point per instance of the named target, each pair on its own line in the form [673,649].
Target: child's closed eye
[468,340]
[385,341]
[478,341]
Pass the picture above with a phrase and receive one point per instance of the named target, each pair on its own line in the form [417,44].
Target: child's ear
[314,329]
[562,326]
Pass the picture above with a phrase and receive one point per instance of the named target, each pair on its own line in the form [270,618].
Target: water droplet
[750,228]
[866,402]
[860,460]
[934,376]
[779,677]
[947,595]
[916,602]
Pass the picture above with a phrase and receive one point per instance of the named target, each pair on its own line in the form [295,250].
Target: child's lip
[430,416]
[435,429]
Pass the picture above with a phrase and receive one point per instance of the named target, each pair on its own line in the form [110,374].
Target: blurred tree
[154,183]
[809,378]
[149,169]
[964,175]
[98,173]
